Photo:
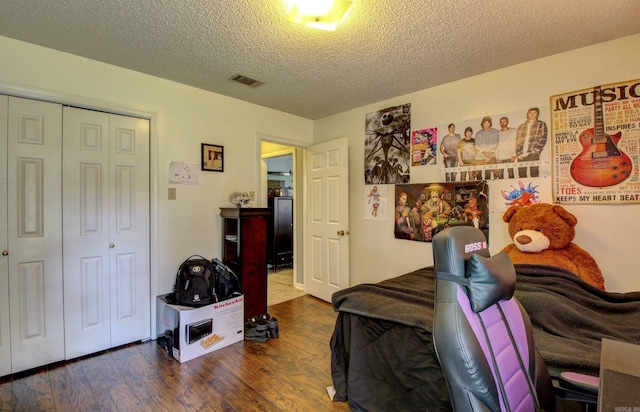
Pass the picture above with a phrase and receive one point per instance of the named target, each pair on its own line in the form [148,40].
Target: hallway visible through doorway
[280,287]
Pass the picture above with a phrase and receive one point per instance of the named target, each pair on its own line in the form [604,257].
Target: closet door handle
[5,253]
[111,245]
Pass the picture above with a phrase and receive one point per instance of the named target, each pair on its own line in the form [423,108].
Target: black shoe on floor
[256,330]
[273,328]
[272,324]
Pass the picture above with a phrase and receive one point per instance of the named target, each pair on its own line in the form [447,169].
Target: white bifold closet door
[31,309]
[105,231]
[5,332]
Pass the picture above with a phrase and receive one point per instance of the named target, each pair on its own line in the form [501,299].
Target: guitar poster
[595,135]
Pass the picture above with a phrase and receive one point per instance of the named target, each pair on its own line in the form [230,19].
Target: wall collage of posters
[587,141]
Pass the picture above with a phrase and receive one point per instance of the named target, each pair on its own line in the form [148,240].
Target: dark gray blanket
[406,299]
[570,317]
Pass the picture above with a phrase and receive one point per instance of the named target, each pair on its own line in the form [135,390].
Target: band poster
[422,210]
[387,157]
[496,146]
[596,145]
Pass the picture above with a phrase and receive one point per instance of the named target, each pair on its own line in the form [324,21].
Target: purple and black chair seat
[483,336]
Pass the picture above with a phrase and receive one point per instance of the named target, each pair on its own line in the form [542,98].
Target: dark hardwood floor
[285,374]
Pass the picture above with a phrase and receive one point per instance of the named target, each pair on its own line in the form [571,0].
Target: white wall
[604,231]
[183,118]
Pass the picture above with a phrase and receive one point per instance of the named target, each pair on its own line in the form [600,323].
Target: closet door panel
[130,255]
[86,232]
[35,233]
[5,334]
[31,310]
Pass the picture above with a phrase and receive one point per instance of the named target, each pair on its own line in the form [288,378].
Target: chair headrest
[490,280]
[454,246]
[461,255]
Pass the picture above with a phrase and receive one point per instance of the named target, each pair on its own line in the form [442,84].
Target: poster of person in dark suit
[387,157]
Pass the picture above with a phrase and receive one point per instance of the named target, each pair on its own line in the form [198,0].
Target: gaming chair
[483,336]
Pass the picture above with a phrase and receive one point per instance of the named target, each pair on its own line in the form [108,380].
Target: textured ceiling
[382,49]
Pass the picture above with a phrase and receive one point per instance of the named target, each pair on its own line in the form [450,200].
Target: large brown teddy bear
[542,235]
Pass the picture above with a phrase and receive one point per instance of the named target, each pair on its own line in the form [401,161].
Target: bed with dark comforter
[382,356]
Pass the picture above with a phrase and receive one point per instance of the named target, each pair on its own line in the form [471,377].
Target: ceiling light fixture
[318,14]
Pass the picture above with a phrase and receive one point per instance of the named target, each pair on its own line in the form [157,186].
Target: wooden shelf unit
[244,250]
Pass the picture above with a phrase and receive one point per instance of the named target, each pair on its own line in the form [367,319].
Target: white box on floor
[197,331]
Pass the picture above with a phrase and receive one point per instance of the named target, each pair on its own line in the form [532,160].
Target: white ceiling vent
[246,80]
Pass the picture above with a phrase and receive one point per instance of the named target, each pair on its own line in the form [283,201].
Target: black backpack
[227,283]
[195,283]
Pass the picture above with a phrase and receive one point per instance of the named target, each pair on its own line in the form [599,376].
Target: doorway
[280,179]
[280,197]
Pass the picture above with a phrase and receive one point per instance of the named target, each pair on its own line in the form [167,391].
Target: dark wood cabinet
[244,250]
[280,241]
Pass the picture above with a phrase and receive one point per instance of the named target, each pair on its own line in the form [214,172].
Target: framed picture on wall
[212,157]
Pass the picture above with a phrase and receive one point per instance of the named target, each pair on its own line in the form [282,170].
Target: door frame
[298,153]
[126,110]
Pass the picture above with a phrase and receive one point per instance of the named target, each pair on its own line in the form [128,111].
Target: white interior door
[5,333]
[327,210]
[106,232]
[35,233]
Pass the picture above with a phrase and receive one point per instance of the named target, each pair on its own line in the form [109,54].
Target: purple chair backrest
[482,335]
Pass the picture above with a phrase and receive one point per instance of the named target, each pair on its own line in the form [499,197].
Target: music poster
[595,136]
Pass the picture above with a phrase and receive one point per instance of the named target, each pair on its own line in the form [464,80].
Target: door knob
[342,232]
[5,253]
[111,245]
